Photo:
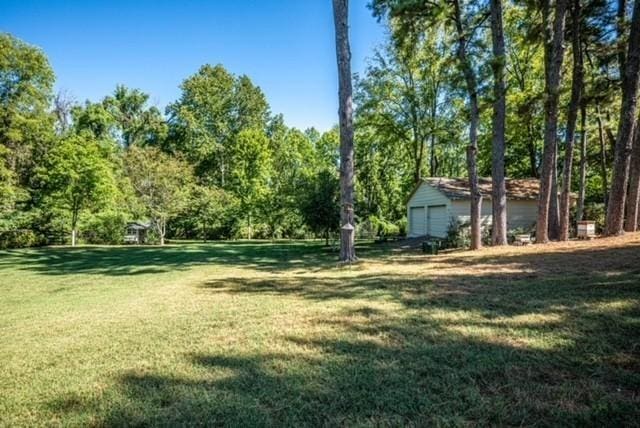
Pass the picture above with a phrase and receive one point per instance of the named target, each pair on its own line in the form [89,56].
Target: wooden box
[586,229]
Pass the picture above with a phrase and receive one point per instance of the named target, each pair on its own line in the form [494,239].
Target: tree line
[544,89]
[217,164]
[519,89]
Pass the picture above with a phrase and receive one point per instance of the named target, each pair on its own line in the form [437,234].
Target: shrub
[377,227]
[403,226]
[458,235]
[383,228]
[364,229]
[21,238]
[105,228]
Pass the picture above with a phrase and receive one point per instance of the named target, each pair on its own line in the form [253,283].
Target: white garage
[437,202]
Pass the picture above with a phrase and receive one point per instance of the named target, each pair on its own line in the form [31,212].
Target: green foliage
[458,235]
[137,123]
[76,175]
[104,228]
[9,191]
[21,238]
[228,168]
[95,119]
[161,182]
[214,108]
[596,212]
[383,228]
[26,82]
[320,204]
[211,213]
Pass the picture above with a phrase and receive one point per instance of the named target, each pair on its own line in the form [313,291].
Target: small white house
[136,232]
[437,202]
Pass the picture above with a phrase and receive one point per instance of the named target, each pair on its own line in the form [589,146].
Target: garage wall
[417,221]
[438,220]
[426,196]
[462,211]
[519,213]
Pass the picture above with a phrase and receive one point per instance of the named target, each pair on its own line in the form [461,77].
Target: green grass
[275,334]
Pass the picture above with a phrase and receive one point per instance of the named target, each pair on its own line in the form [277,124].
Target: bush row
[22,238]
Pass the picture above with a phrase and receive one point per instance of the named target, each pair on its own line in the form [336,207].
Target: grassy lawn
[262,334]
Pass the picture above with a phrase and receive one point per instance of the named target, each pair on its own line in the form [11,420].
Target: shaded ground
[254,334]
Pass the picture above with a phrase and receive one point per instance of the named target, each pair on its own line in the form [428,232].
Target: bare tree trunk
[74,224]
[432,157]
[498,187]
[603,159]
[620,178]
[633,198]
[343,54]
[574,105]
[160,224]
[554,209]
[474,119]
[583,162]
[554,54]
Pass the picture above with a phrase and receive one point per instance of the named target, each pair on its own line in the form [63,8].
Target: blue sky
[285,46]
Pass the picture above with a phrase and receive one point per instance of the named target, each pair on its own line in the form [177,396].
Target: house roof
[139,224]
[525,189]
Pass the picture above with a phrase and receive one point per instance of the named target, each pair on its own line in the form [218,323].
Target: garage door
[417,226]
[437,221]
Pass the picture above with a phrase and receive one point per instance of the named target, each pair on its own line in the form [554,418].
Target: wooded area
[459,89]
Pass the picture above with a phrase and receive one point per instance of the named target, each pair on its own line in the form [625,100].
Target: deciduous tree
[161,182]
[345,111]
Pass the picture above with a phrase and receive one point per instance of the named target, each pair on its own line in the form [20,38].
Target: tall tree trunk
[474,119]
[74,224]
[554,54]
[603,158]
[620,178]
[432,157]
[620,30]
[583,162]
[498,186]
[574,105]
[633,198]
[343,54]
[554,209]
[533,154]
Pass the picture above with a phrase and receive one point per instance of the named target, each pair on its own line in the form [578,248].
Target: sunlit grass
[273,334]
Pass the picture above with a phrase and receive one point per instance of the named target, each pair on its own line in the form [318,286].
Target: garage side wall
[425,197]
[520,214]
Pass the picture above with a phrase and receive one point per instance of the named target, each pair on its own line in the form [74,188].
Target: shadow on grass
[507,284]
[424,374]
[137,260]
[552,347]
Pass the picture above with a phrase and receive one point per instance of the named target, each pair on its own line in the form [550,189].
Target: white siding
[461,210]
[425,197]
[519,213]
[435,211]
[438,220]
[417,221]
